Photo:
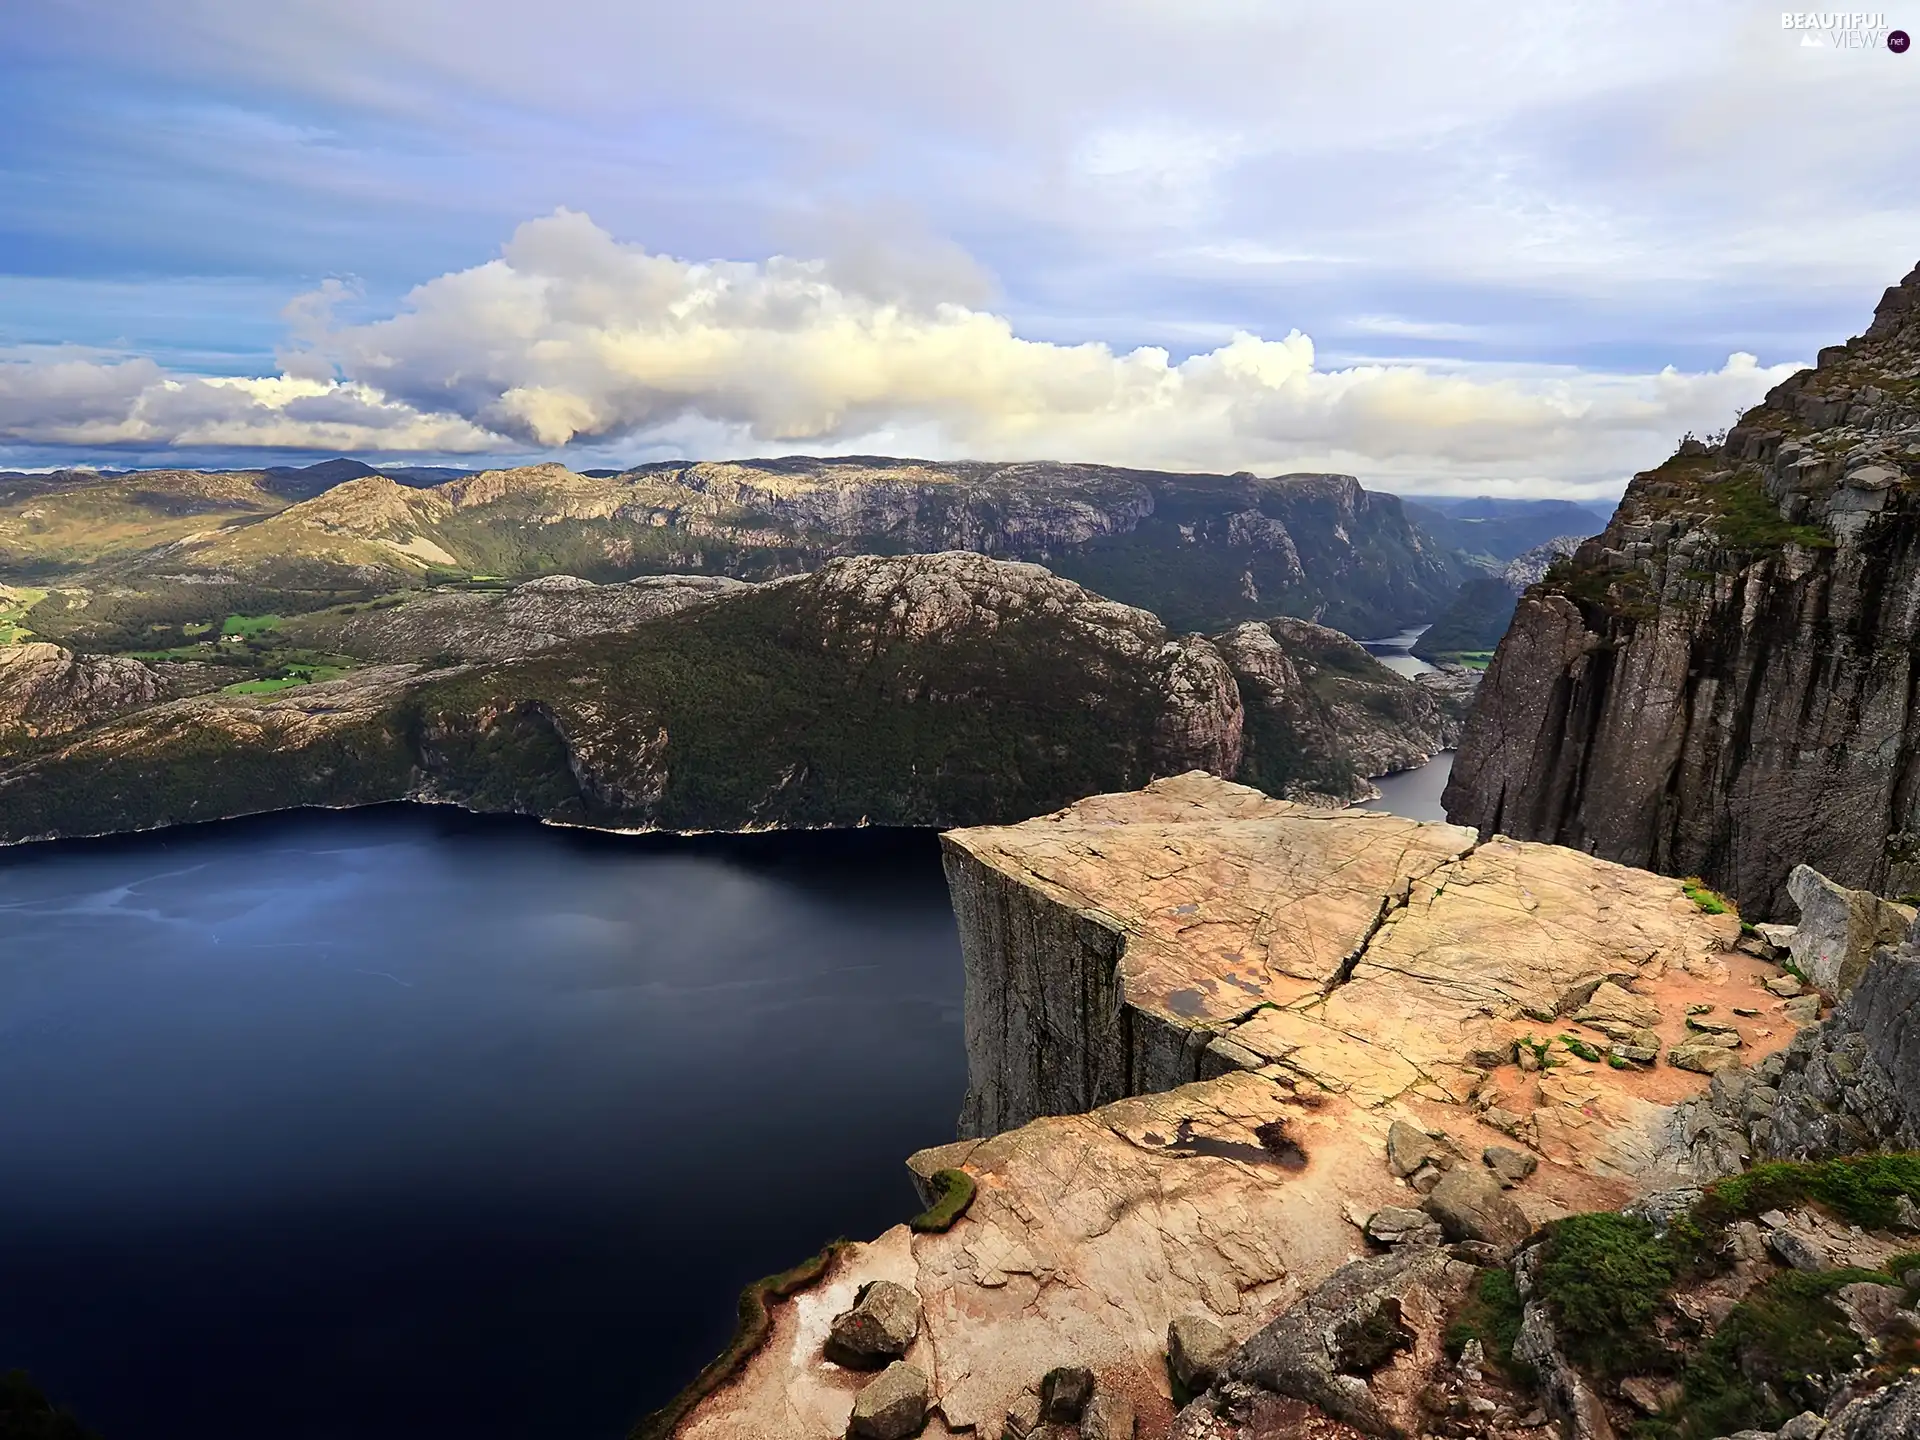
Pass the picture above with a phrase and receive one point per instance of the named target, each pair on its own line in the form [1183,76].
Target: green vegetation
[1581,1048]
[1711,902]
[1749,518]
[1472,624]
[1770,1359]
[291,676]
[1624,593]
[1604,1278]
[1607,1280]
[250,625]
[15,602]
[779,714]
[953,1192]
[1491,1315]
[1861,1189]
[751,1329]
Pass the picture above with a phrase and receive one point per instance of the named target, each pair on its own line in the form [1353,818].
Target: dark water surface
[401,1123]
[1414,793]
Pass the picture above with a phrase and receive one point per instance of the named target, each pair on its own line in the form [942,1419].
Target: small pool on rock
[405,1124]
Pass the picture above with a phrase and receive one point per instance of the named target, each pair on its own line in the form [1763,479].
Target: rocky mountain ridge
[1722,682]
[1201,550]
[909,690]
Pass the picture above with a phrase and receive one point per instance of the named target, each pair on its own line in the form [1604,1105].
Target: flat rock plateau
[1211,1035]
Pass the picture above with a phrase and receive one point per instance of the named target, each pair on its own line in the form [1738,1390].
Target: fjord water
[1396,651]
[402,1123]
[1414,793]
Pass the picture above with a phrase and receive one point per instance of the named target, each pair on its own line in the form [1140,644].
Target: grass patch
[953,1192]
[250,625]
[1749,519]
[751,1329]
[1542,1051]
[1581,1048]
[15,602]
[294,675]
[1710,902]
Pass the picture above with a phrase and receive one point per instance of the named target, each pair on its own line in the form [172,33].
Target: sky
[1463,247]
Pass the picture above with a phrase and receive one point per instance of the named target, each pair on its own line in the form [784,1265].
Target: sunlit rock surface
[1194,1013]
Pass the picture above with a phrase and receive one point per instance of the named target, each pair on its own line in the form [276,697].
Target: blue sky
[1452,247]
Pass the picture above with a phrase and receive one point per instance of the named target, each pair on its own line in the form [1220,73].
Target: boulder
[1702,1056]
[1109,1416]
[1889,1414]
[892,1405]
[881,1326]
[1873,1310]
[1582,1414]
[1470,1205]
[1780,937]
[1064,1393]
[1785,986]
[1409,1147]
[1197,1348]
[1395,1224]
[1802,1009]
[1510,1166]
[1648,1395]
[1839,929]
[1333,1346]
[1797,1250]
[1611,1004]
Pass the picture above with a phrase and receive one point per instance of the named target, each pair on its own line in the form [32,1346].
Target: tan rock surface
[1087,1236]
[1332,973]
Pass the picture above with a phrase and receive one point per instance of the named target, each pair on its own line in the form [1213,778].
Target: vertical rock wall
[1046,1030]
[1723,683]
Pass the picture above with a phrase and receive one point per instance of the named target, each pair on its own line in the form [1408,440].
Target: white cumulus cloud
[571,338]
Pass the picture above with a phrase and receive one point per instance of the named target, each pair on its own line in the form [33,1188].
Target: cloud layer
[571,339]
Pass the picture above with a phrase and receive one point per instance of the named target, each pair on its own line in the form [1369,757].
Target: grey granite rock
[1065,1392]
[1510,1165]
[892,1405]
[1470,1205]
[1197,1349]
[1839,929]
[1702,695]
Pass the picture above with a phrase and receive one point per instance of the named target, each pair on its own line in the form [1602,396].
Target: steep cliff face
[1131,943]
[1199,1020]
[1722,682]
